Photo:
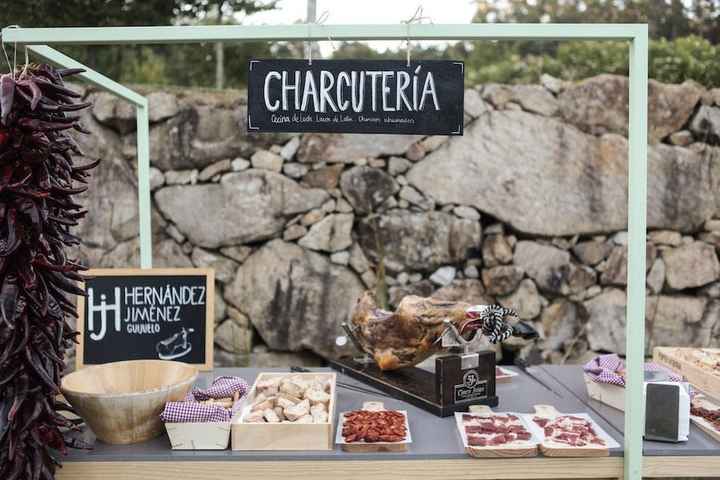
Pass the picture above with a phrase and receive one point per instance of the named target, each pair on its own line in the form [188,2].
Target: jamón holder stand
[460,379]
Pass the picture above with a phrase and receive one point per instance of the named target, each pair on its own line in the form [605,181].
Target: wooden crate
[679,360]
[199,436]
[611,395]
[700,422]
[284,436]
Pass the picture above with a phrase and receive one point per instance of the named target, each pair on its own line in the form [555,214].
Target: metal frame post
[637,225]
[636,34]
[143,137]
[144,201]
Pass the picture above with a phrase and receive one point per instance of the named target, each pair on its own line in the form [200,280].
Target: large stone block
[600,105]
[348,148]
[295,298]
[244,207]
[545,177]
[366,187]
[418,241]
[691,265]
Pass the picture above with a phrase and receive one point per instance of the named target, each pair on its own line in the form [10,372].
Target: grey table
[436,451]
[698,444]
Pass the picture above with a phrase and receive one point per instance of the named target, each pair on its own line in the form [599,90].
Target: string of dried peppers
[38,179]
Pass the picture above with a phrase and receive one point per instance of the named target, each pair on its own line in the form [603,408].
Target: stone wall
[526,209]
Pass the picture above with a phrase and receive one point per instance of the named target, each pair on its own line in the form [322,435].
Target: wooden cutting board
[362,447]
[503,375]
[494,451]
[552,449]
[701,423]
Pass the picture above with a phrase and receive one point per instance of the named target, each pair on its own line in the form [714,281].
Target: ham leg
[411,334]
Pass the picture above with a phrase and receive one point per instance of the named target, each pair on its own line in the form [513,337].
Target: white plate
[340,440]
[540,432]
[534,439]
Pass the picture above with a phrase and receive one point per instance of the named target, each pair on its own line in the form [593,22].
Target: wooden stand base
[417,386]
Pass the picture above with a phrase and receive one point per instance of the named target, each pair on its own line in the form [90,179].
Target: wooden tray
[284,436]
[362,447]
[611,395]
[496,451]
[703,424]
[680,360]
[550,449]
[199,436]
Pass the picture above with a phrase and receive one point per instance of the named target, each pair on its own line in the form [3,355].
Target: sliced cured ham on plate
[569,435]
[490,434]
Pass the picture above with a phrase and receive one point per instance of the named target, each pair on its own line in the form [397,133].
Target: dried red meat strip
[374,426]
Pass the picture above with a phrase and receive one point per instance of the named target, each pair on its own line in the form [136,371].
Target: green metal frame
[143,141]
[635,34]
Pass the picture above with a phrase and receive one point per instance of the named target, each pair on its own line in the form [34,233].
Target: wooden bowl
[122,401]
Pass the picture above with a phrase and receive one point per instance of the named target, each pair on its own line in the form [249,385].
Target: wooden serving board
[700,422]
[362,447]
[504,375]
[552,449]
[495,451]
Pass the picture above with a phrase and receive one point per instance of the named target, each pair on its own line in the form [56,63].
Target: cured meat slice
[569,430]
[494,430]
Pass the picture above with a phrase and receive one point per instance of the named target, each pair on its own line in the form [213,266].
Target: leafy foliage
[668,19]
[686,58]
[685,36]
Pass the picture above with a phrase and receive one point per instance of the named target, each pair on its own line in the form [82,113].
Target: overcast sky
[367,11]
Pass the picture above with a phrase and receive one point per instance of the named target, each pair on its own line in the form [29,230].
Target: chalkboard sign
[356,96]
[141,314]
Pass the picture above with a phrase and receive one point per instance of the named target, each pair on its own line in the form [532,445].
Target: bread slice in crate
[569,435]
[287,411]
[487,434]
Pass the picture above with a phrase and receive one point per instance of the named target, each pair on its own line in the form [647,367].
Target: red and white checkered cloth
[611,368]
[191,411]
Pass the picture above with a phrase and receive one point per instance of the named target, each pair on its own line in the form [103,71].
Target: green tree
[221,10]
[667,19]
[160,64]
[92,13]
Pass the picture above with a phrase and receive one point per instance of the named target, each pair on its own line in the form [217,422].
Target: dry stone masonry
[527,209]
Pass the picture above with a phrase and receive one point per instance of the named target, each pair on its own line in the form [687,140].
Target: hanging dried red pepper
[38,179]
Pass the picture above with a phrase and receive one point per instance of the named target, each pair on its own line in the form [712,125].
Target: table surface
[571,378]
[436,451]
[433,437]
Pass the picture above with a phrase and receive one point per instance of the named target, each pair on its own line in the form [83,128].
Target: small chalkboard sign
[142,314]
[356,96]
